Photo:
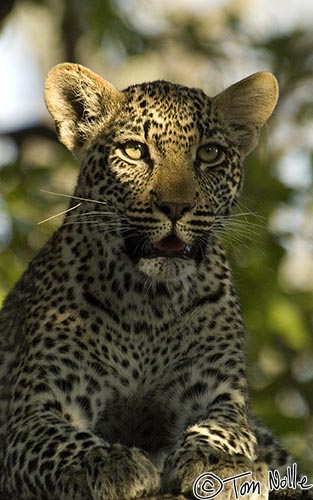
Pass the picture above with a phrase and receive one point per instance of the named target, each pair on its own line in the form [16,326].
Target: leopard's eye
[210,154]
[134,150]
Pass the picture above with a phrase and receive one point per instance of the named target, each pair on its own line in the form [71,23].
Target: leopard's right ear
[79,101]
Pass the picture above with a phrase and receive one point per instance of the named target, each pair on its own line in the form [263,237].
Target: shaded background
[209,44]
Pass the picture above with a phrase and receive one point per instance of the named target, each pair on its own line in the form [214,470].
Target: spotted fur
[122,360]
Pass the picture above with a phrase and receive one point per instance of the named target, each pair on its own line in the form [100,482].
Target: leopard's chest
[141,420]
[152,394]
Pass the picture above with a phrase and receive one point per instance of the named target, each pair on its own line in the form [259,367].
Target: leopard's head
[167,159]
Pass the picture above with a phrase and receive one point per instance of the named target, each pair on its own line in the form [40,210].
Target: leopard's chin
[167,269]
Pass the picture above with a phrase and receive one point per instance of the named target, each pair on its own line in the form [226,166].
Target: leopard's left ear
[80,101]
[246,106]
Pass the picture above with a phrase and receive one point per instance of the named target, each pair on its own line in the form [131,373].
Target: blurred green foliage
[278,311]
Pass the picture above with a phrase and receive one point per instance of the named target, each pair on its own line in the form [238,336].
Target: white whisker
[86,216]
[74,197]
[57,215]
[93,212]
[70,223]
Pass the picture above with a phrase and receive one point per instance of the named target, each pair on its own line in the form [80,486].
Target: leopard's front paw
[183,468]
[121,473]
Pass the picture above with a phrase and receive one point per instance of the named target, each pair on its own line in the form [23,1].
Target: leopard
[122,351]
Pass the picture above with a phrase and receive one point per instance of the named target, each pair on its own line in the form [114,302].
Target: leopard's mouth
[171,247]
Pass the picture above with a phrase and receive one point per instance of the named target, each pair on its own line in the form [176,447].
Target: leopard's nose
[174,211]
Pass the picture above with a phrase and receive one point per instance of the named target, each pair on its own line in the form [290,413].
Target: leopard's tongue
[170,244]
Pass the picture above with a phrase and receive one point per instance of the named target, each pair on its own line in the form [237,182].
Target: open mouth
[171,247]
